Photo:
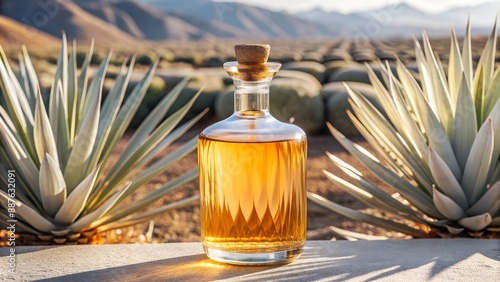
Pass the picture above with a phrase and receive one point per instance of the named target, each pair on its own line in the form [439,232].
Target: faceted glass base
[279,257]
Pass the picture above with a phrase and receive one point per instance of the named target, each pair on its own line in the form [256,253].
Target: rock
[353,72]
[313,68]
[332,66]
[308,78]
[313,57]
[294,101]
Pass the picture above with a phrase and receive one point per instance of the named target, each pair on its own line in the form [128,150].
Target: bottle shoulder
[254,129]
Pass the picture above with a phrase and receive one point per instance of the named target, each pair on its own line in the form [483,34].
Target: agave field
[309,91]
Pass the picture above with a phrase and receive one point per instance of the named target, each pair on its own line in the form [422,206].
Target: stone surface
[392,260]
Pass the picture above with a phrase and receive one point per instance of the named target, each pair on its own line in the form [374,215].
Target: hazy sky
[347,6]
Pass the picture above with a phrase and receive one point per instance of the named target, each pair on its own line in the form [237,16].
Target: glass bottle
[252,173]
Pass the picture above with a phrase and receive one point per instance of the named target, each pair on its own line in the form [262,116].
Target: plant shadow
[362,260]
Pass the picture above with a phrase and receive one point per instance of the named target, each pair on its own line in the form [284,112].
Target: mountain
[481,15]
[401,15]
[252,21]
[54,17]
[405,20]
[15,33]
[142,21]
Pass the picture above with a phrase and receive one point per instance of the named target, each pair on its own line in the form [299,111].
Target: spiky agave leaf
[441,143]
[58,150]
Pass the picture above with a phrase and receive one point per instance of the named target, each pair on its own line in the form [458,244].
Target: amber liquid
[253,196]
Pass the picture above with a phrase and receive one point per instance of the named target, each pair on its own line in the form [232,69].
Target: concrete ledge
[392,260]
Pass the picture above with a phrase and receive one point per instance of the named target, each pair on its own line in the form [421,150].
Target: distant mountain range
[405,20]
[124,21]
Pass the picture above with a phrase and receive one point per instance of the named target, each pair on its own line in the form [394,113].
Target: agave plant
[439,145]
[54,156]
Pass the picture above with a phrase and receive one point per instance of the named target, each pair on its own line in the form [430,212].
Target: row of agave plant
[57,153]
[439,145]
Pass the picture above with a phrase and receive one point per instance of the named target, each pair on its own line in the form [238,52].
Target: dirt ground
[184,225]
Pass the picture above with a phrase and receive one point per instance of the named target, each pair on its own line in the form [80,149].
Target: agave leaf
[61,76]
[127,112]
[467,56]
[20,159]
[32,217]
[21,97]
[61,133]
[154,170]
[494,175]
[84,143]
[77,200]
[108,113]
[445,180]
[82,90]
[476,223]
[382,95]
[423,70]
[124,211]
[11,99]
[495,221]
[379,146]
[172,137]
[357,215]
[9,124]
[20,226]
[43,135]
[72,97]
[368,193]
[132,220]
[488,203]
[437,136]
[456,78]
[89,220]
[464,125]
[478,90]
[354,236]
[495,118]
[447,206]
[412,132]
[416,197]
[95,89]
[377,125]
[438,92]
[493,93]
[485,74]
[24,193]
[52,186]
[454,230]
[160,166]
[360,194]
[411,94]
[476,170]
[153,119]
[487,59]
[123,168]
[30,79]
[384,133]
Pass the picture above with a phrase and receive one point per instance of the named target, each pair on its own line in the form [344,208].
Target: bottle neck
[251,98]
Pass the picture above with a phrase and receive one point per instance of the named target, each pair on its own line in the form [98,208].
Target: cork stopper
[252,63]
[252,54]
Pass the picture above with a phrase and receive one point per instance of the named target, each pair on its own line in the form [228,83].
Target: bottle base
[268,258]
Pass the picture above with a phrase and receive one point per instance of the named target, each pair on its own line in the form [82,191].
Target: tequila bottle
[252,173]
